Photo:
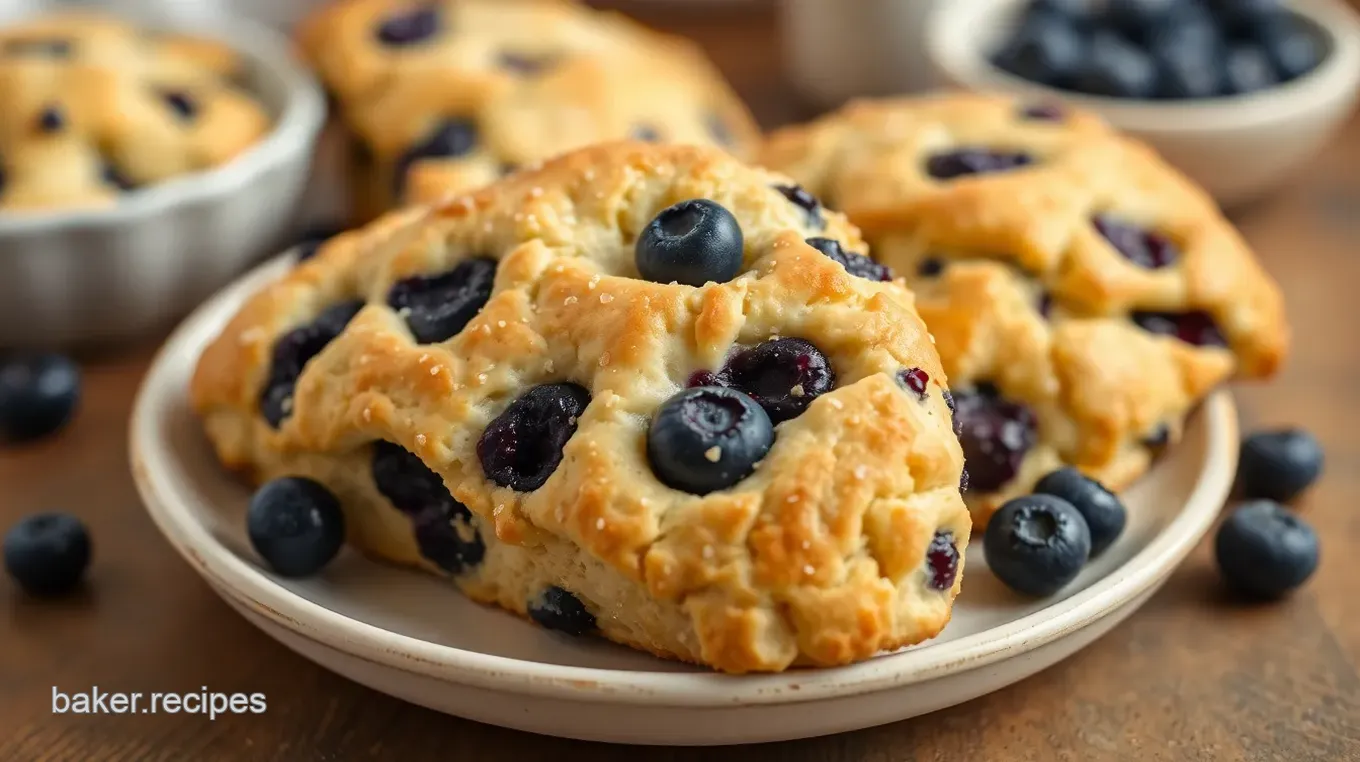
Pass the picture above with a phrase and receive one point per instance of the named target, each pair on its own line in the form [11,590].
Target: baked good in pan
[1083,294]
[452,94]
[94,108]
[519,389]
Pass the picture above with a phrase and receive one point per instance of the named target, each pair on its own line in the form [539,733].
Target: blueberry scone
[94,108]
[451,94]
[644,391]
[1083,295]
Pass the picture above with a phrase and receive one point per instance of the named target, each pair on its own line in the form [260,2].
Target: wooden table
[1192,676]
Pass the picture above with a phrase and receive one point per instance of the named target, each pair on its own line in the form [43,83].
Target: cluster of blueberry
[1160,48]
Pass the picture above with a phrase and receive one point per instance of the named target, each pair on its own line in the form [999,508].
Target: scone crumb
[606,298]
[797,390]
[713,454]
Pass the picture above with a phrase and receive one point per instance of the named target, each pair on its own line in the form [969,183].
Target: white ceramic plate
[413,636]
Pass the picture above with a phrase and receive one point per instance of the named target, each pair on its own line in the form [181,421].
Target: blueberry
[47,553]
[1045,49]
[1247,69]
[444,543]
[449,139]
[1044,112]
[692,242]
[526,64]
[1243,18]
[409,27]
[1196,327]
[1045,305]
[930,267]
[1279,465]
[1037,544]
[915,380]
[995,433]
[312,240]
[974,161]
[291,353]
[1136,18]
[1104,513]
[1293,49]
[296,525]
[438,307]
[1158,439]
[942,561]
[420,493]
[783,376]
[181,103]
[1141,247]
[854,263]
[38,395]
[521,448]
[644,132]
[1188,73]
[1264,550]
[707,438]
[1117,68]
[800,198]
[111,175]
[558,609]
[51,119]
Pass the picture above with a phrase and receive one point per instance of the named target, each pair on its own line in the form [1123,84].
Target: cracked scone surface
[94,108]
[846,539]
[452,94]
[1083,295]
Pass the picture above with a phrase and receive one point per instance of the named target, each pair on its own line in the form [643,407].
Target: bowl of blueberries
[1237,93]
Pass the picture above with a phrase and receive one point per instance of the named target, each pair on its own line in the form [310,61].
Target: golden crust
[583,77]
[818,557]
[110,87]
[1099,386]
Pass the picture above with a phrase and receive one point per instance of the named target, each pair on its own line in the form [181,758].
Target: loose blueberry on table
[1105,515]
[1279,465]
[38,395]
[47,553]
[437,307]
[522,447]
[1037,544]
[692,242]
[557,609]
[1264,550]
[707,438]
[296,525]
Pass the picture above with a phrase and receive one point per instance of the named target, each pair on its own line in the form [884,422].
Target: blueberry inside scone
[642,391]
[1083,295]
[450,95]
[94,109]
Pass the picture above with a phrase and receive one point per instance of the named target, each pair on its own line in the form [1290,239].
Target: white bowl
[110,274]
[1238,148]
[414,636]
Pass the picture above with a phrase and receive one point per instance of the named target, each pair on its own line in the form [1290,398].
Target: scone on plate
[520,389]
[452,94]
[1083,295]
[94,108]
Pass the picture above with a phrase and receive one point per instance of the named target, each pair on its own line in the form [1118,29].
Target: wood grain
[1194,675]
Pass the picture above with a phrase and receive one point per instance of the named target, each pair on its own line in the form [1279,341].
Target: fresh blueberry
[1037,544]
[1293,49]
[1279,465]
[1046,49]
[1248,69]
[296,525]
[916,380]
[290,356]
[644,132]
[1117,68]
[420,493]
[1244,17]
[853,262]
[1078,11]
[707,438]
[1104,513]
[1264,550]
[449,139]
[409,27]
[996,433]
[974,161]
[521,448]
[692,242]
[38,395]
[783,375]
[47,553]
[180,102]
[51,119]
[49,48]
[930,267]
[1137,18]
[1186,72]
[312,240]
[1196,327]
[111,175]
[1141,247]
[438,307]
[558,609]
[800,198]
[942,561]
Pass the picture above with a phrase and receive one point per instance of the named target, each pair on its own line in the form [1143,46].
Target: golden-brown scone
[94,107]
[1008,220]
[846,539]
[452,94]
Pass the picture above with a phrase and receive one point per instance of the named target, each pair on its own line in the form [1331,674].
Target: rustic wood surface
[1194,675]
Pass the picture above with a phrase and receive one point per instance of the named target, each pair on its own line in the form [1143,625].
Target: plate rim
[231,575]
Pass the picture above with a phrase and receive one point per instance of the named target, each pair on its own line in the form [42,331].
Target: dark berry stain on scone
[783,375]
[181,103]
[290,356]
[692,242]
[995,433]
[522,447]
[410,27]
[525,63]
[420,494]
[915,380]
[853,262]
[1043,112]
[974,161]
[437,307]
[558,609]
[51,119]
[707,438]
[1141,247]
[800,198]
[449,139]
[942,561]
[1045,305]
[111,175]
[1196,327]
[644,132]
